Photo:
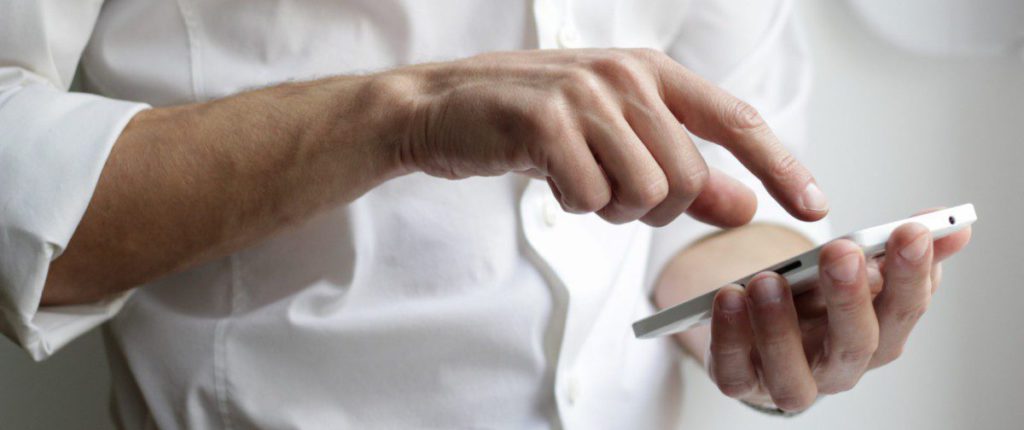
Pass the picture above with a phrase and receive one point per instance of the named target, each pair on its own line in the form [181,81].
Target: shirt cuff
[53,149]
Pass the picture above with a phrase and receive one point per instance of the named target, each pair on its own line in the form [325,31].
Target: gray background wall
[895,133]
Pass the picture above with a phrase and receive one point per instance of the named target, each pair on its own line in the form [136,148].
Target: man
[306,261]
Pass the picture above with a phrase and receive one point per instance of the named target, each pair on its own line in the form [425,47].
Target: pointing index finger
[717,116]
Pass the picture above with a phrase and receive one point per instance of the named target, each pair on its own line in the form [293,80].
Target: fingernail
[915,250]
[813,199]
[731,300]
[766,289]
[844,270]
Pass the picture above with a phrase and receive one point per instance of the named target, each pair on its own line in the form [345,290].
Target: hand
[603,126]
[770,348]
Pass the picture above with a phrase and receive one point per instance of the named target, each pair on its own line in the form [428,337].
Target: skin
[187,184]
[766,347]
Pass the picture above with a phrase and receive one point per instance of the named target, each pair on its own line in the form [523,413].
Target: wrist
[365,122]
[393,102]
[414,100]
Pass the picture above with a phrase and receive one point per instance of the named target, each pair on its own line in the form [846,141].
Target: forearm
[190,183]
[718,259]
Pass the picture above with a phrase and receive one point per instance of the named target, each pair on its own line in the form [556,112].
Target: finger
[724,202]
[907,290]
[936,276]
[786,373]
[729,363]
[810,304]
[679,160]
[945,247]
[875,280]
[949,245]
[852,325]
[952,244]
[713,114]
[573,173]
[727,203]
[637,181]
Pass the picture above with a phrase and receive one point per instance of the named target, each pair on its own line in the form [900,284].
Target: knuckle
[588,202]
[856,354]
[725,351]
[582,83]
[649,54]
[650,193]
[619,68]
[693,183]
[911,277]
[741,116]
[851,305]
[614,63]
[890,355]
[785,166]
[574,74]
[838,386]
[911,314]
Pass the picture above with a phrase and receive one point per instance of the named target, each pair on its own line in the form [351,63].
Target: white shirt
[426,302]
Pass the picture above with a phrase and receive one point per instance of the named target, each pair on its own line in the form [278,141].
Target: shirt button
[551,213]
[573,390]
[568,37]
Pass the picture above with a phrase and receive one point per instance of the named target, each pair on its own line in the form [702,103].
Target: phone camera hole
[952,220]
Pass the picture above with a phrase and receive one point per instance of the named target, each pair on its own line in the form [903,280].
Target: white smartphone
[802,271]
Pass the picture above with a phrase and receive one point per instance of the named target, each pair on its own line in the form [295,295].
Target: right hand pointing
[603,126]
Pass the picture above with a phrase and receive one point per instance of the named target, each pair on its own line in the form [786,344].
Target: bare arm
[189,183]
[186,184]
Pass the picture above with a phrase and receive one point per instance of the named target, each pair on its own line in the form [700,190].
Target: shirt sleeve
[756,51]
[53,145]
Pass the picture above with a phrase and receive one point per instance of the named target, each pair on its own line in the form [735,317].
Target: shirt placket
[556,26]
[576,267]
